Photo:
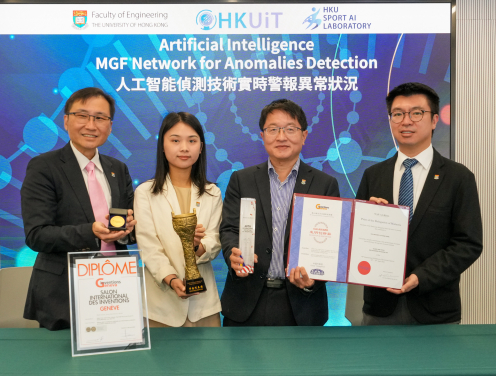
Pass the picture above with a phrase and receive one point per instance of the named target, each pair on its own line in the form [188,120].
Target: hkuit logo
[206,19]
[313,19]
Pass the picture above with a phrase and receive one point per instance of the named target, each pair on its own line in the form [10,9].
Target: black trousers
[273,309]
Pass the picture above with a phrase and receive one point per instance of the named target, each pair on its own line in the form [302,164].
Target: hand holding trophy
[185,225]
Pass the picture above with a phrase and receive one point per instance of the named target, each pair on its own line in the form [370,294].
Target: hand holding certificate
[352,241]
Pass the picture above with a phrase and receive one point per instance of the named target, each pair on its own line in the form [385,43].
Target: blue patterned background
[348,130]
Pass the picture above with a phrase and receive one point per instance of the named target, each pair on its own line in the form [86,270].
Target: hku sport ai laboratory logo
[80,18]
[313,19]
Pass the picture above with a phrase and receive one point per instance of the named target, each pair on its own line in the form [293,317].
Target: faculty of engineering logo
[80,17]
[206,19]
[312,19]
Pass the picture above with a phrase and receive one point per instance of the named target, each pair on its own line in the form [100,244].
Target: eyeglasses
[289,131]
[415,115]
[83,118]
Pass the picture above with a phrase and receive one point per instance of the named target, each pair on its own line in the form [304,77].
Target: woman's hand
[178,286]
[199,234]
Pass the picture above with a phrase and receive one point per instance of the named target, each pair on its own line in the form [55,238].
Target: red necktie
[99,205]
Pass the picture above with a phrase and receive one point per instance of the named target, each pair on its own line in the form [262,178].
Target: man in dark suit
[59,199]
[267,297]
[445,232]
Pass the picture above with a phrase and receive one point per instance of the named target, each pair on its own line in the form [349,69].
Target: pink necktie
[99,205]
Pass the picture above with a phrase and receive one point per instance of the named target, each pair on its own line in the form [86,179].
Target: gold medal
[117,221]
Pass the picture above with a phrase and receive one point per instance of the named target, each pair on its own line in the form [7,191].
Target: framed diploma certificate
[350,241]
[107,299]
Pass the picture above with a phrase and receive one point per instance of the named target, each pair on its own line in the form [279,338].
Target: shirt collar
[424,158]
[83,160]
[294,170]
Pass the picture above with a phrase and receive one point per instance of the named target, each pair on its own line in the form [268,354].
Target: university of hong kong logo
[79,18]
[206,19]
[313,19]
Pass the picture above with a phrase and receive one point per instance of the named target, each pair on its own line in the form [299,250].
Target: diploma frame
[345,239]
[134,287]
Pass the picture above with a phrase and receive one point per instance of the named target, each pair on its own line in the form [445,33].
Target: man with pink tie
[65,200]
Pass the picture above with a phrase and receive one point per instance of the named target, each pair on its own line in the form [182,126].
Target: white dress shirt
[100,176]
[419,172]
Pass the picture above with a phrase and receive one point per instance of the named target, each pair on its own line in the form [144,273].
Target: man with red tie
[65,200]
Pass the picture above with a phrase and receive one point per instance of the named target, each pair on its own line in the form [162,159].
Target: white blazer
[163,253]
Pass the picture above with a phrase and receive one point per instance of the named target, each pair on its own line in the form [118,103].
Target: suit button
[262,276]
[268,250]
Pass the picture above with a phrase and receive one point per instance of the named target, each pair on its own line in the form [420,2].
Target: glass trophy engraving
[247,221]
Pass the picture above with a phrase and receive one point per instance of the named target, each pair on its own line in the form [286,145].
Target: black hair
[199,169]
[89,92]
[412,88]
[289,107]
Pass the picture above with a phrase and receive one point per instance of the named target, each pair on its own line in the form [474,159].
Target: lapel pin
[197,204]
[436,177]
[303,181]
[113,174]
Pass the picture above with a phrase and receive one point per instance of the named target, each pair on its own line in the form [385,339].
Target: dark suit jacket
[444,239]
[240,295]
[58,218]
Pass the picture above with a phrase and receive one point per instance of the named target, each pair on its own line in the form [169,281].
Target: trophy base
[195,285]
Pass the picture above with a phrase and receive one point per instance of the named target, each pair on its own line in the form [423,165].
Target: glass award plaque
[107,302]
[247,219]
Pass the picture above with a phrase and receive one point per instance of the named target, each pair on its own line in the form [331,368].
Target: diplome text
[260,44]
[108,268]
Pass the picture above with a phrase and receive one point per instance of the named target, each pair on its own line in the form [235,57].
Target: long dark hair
[199,169]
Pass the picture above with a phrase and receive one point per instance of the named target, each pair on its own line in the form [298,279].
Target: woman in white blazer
[180,184]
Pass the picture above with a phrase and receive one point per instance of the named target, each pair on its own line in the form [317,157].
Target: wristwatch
[310,289]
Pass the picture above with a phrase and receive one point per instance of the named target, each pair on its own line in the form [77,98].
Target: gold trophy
[185,225]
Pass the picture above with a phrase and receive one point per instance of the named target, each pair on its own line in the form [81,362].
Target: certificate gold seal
[117,221]
[88,329]
[93,329]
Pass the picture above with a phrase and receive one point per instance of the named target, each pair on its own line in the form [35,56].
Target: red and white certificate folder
[350,241]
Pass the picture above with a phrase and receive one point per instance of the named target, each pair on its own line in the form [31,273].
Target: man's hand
[237,262]
[410,283]
[103,233]
[299,277]
[378,200]
[130,221]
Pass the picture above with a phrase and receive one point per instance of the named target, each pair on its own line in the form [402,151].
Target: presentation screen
[223,63]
